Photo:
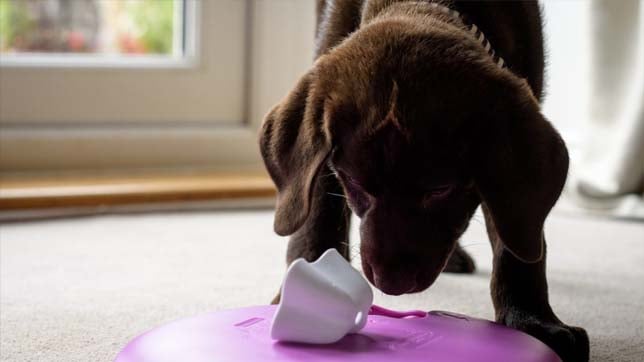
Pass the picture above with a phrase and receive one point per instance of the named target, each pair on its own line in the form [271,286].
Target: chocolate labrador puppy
[416,118]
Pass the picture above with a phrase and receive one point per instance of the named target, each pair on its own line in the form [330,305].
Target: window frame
[279,48]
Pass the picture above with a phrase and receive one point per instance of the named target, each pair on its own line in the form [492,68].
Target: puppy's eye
[358,197]
[440,191]
[436,193]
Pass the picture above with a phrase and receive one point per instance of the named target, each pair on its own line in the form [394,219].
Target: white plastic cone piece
[321,301]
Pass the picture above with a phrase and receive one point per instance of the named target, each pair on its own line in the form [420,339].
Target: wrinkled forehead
[388,157]
[387,125]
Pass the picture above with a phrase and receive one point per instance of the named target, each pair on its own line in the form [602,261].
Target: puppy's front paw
[570,343]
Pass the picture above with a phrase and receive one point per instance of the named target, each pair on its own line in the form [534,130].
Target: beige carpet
[79,289]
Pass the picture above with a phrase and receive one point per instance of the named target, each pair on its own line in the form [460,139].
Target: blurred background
[105,103]
[141,116]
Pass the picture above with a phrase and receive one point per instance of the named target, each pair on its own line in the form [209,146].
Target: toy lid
[244,335]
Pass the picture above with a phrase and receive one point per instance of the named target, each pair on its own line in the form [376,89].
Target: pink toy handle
[378,310]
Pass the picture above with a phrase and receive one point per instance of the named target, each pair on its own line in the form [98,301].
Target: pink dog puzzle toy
[326,314]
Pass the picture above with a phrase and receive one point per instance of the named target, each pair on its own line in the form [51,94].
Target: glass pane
[91,26]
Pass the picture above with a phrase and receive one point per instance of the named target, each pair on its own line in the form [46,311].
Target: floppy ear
[520,165]
[294,146]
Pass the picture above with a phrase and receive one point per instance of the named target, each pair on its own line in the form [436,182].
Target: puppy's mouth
[397,283]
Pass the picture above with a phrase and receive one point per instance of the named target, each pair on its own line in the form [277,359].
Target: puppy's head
[420,126]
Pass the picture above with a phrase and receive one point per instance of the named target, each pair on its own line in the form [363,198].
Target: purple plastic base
[243,335]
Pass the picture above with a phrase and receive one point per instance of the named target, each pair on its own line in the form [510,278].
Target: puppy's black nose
[394,284]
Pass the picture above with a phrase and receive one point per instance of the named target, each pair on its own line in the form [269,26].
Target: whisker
[478,219]
[338,195]
[354,250]
[465,246]
[328,174]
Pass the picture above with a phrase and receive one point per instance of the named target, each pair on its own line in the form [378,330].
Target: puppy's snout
[390,282]
[395,286]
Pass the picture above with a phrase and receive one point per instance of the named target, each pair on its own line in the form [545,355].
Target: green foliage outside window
[139,26]
[155,19]
[14,22]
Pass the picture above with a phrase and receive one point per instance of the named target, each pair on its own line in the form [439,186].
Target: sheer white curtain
[595,97]
[610,174]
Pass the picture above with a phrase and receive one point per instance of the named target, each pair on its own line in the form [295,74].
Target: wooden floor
[26,193]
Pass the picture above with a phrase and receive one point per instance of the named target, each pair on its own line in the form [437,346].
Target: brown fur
[406,115]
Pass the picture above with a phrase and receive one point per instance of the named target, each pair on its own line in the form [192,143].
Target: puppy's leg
[460,262]
[520,296]
[327,225]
